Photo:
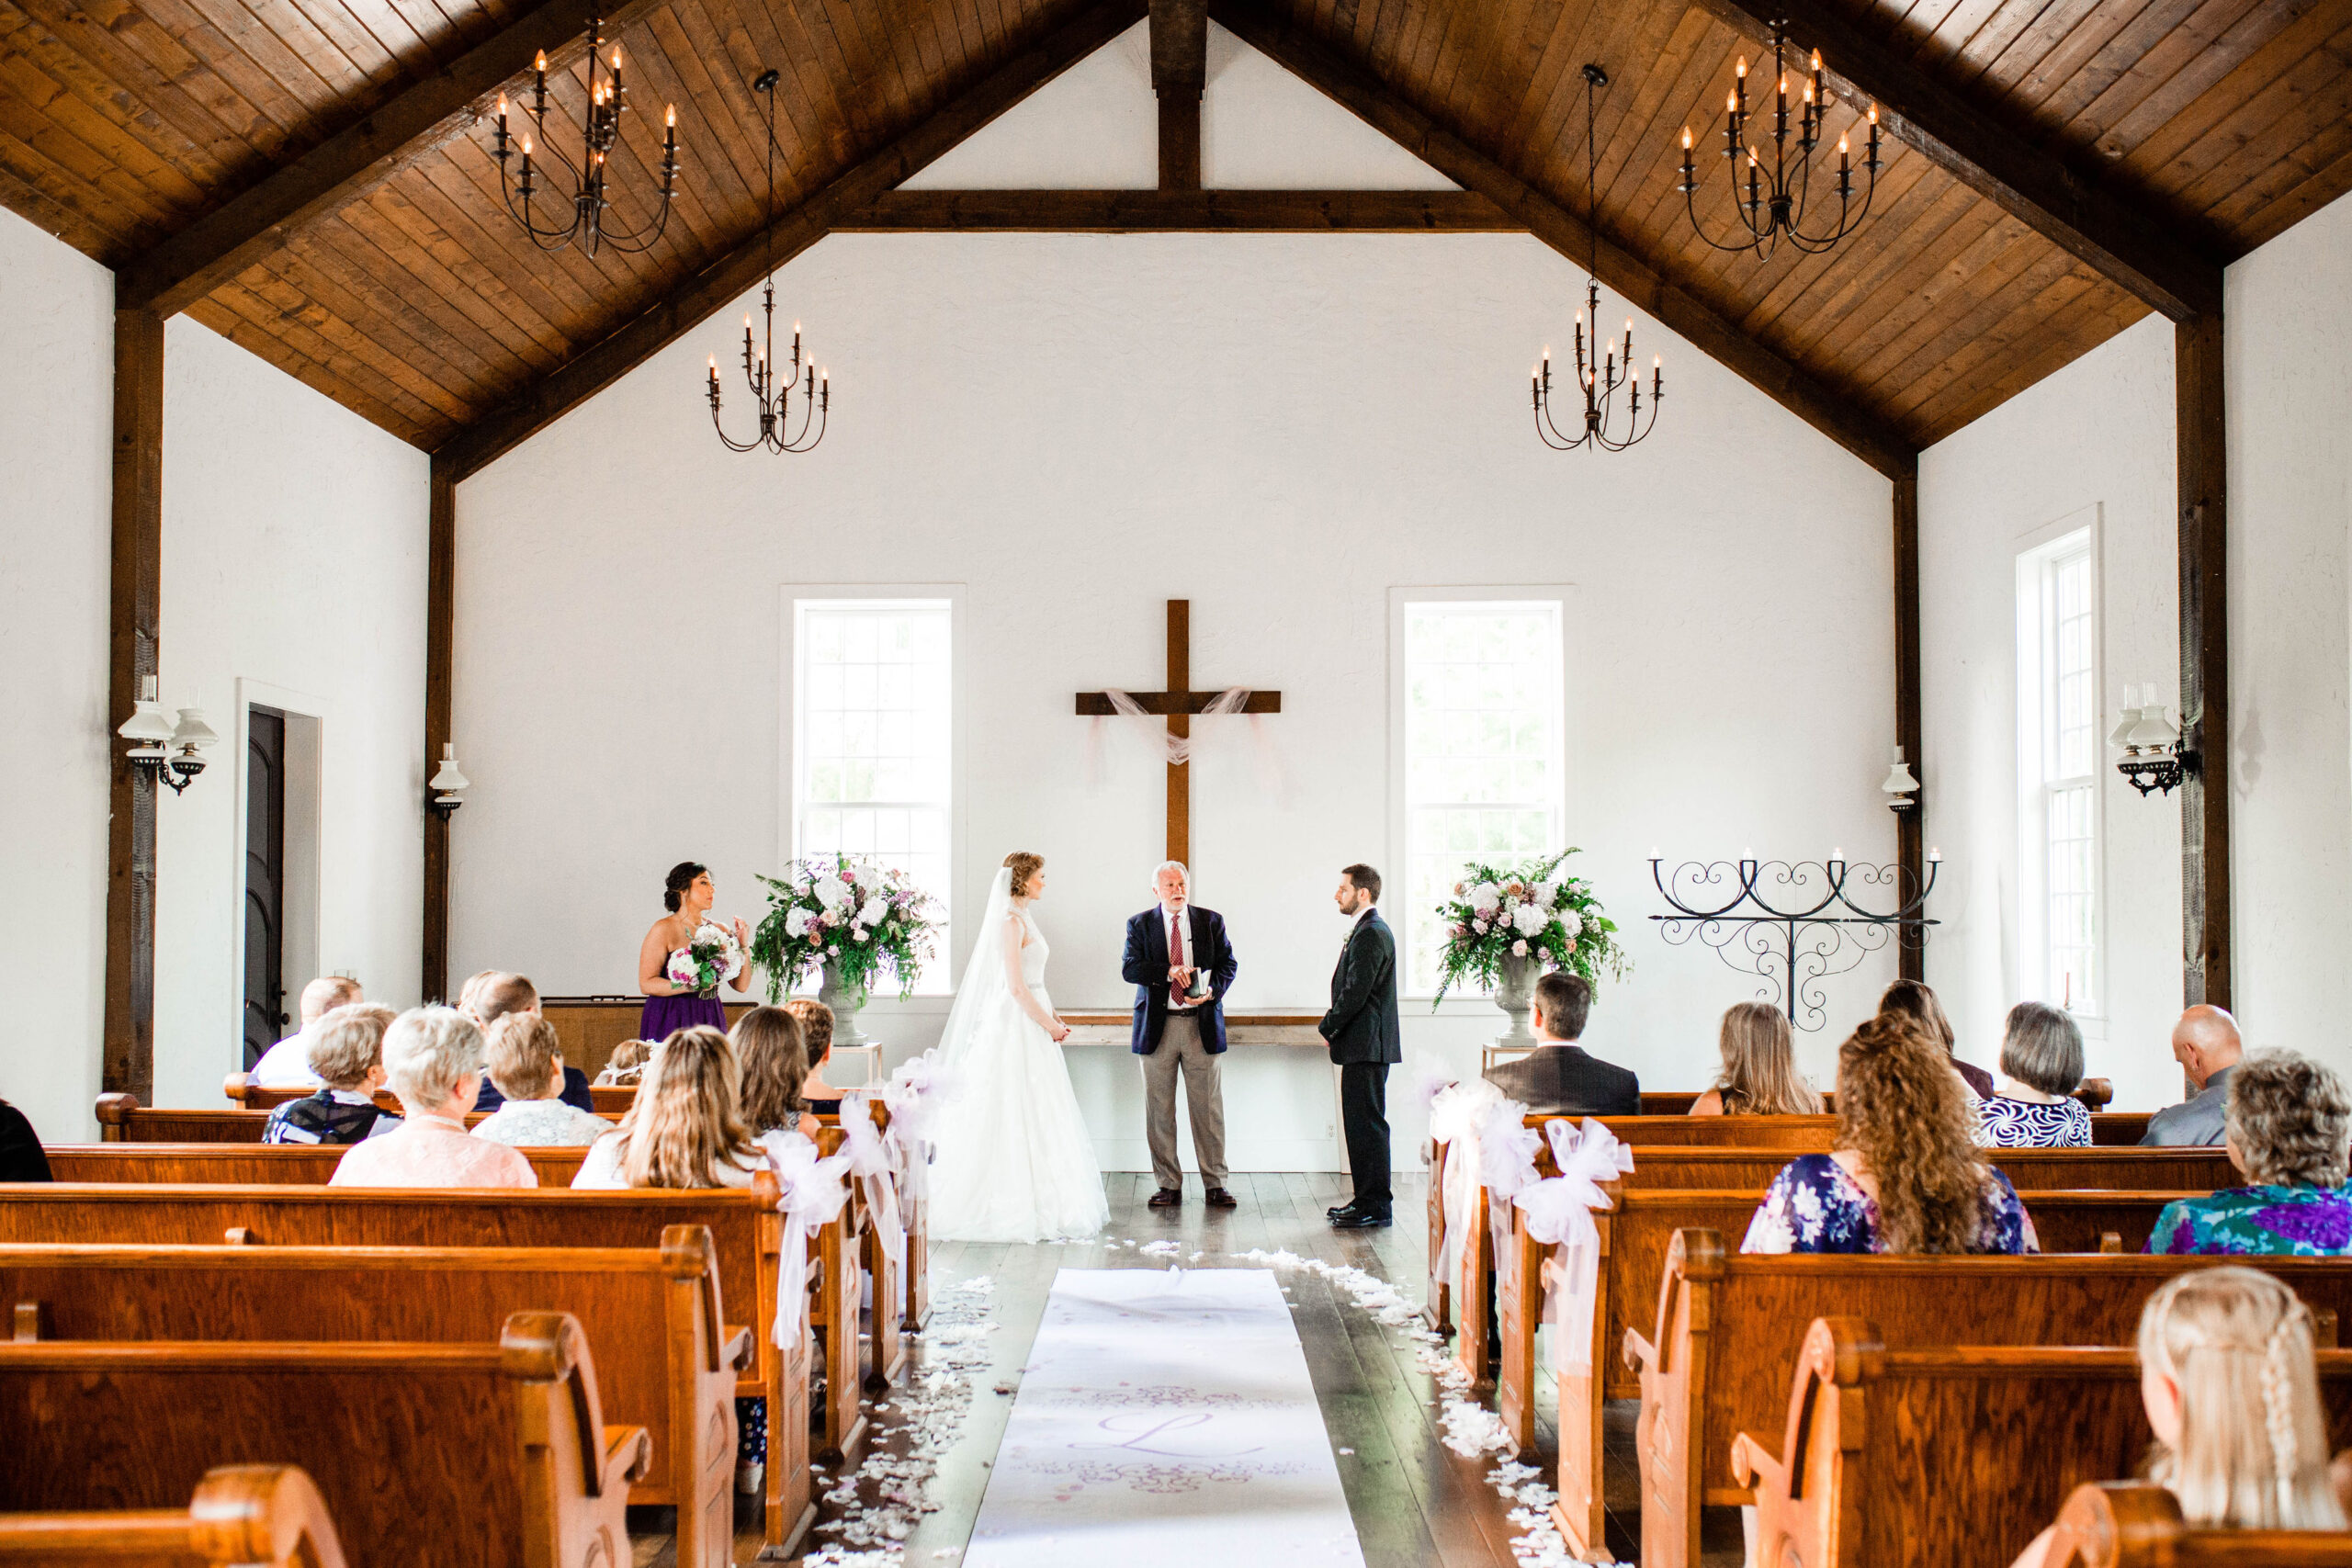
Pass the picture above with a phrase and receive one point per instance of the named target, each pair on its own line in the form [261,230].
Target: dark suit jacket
[1567,1080]
[575,1092]
[1146,967]
[1362,1025]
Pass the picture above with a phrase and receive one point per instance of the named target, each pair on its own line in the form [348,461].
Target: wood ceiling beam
[1836,415]
[1182,211]
[345,167]
[2161,262]
[1180,74]
[696,299]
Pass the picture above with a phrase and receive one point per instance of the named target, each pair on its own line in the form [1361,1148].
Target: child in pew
[1760,1076]
[2288,1127]
[773,1058]
[347,1052]
[626,1063]
[1905,1175]
[2229,1380]
[525,1061]
[817,1034]
[432,1060]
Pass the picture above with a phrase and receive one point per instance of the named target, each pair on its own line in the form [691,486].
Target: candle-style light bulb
[1741,70]
[540,64]
[526,146]
[1685,139]
[1837,854]
[617,57]
[671,119]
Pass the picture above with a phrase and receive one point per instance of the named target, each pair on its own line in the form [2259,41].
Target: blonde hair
[427,1052]
[2253,1451]
[468,993]
[1760,1076]
[686,1122]
[521,1055]
[347,1042]
[774,1062]
[627,1060]
[1902,1107]
[1024,866]
[2289,1119]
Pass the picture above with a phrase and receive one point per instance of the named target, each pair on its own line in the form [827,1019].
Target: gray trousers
[1181,1051]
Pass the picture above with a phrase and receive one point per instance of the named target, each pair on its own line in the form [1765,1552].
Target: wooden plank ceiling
[420,305]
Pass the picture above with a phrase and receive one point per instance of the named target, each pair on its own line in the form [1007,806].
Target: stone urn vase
[845,1001]
[1516,996]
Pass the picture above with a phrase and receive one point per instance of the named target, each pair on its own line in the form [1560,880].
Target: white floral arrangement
[711,956]
[857,916]
[1533,912]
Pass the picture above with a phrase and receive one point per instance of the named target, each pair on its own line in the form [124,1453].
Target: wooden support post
[2202,462]
[129,1063]
[1179,61]
[1179,724]
[1910,826]
[440,608]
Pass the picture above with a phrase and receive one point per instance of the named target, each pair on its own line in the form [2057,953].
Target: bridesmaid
[687,892]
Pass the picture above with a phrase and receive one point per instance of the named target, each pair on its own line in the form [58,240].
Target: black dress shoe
[1336,1210]
[1361,1220]
[1166,1198]
[1218,1198]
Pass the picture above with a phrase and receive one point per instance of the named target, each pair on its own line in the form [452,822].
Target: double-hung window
[2059,748]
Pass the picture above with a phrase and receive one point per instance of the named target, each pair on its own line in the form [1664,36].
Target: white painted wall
[294,574]
[56,417]
[1076,428]
[2100,433]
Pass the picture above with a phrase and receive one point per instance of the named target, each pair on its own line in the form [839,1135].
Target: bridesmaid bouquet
[1529,912]
[853,917]
[710,956]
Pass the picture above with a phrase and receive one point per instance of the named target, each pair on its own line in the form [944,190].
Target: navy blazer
[1146,967]
[575,1092]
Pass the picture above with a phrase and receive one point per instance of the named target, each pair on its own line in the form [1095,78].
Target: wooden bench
[653,1318]
[461,1456]
[2015,1430]
[745,1228]
[611,1101]
[122,1119]
[1729,1328]
[2137,1524]
[1636,1239]
[243,1516]
[244,1165]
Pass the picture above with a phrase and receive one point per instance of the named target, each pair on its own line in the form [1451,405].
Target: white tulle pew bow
[1559,1211]
[914,1095]
[814,1190]
[876,1166]
[1488,1145]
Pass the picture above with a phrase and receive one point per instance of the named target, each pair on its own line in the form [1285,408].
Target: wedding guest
[2207,1044]
[1905,1175]
[286,1065]
[816,1035]
[773,1064]
[626,1063]
[1760,1076]
[347,1051]
[432,1060]
[2228,1379]
[523,1062]
[470,993]
[21,1157]
[2289,1126]
[2041,1058]
[686,1128]
[1559,1077]
[498,994]
[1914,999]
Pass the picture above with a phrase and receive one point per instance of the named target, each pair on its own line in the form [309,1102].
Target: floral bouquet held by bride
[711,958]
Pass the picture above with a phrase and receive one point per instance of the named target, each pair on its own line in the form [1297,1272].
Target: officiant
[1181,966]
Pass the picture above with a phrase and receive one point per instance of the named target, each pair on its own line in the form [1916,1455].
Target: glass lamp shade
[193,732]
[1899,780]
[2153,732]
[2121,734]
[448,778]
[147,724]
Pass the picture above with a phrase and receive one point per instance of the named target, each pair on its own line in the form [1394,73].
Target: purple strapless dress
[664,1016]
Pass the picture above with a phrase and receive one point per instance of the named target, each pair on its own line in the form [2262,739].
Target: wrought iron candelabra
[1600,376]
[582,210]
[774,397]
[1774,204]
[1791,949]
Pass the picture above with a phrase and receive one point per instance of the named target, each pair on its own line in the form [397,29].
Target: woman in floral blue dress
[2289,1122]
[1905,1175]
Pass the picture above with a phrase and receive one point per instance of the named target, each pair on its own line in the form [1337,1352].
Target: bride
[1012,1160]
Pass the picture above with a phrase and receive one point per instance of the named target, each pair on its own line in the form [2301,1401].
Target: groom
[1181,966]
[1366,1040]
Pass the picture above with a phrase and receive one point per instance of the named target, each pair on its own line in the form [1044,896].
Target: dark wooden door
[266,1017]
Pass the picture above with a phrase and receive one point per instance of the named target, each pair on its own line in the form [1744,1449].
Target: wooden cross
[1177,704]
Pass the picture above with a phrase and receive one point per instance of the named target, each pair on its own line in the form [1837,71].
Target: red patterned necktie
[1175,945]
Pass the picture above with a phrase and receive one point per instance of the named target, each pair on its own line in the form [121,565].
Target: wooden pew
[244,1165]
[1728,1329]
[653,1317]
[2015,1428]
[122,1119]
[243,1516]
[2137,1524]
[745,1226]
[462,1456]
[1635,1240]
[610,1100]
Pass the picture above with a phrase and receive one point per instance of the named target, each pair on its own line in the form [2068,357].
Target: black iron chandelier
[773,394]
[1608,368]
[1774,208]
[579,195]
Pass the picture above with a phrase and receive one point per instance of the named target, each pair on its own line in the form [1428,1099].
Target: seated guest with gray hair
[524,1063]
[1559,1077]
[432,1058]
[347,1052]
[286,1065]
[2207,1046]
[2041,1058]
[2289,1129]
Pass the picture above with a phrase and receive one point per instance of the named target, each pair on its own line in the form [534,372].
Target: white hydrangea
[1571,922]
[1529,918]
[873,909]
[795,923]
[831,891]
[1486,897]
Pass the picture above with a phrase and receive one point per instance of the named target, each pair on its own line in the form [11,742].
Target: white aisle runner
[1165,1418]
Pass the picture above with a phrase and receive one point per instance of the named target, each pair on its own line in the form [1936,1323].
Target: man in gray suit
[2205,1042]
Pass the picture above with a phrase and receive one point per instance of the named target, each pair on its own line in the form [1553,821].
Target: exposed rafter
[1182,212]
[1180,74]
[1838,416]
[710,290]
[1994,159]
[354,161]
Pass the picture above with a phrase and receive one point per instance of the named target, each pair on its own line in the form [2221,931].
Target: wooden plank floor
[1414,1503]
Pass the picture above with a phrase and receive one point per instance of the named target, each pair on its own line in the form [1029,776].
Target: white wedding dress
[1012,1160]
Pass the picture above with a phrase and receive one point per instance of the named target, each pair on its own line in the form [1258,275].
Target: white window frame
[950,597]
[2077,536]
[1563,599]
